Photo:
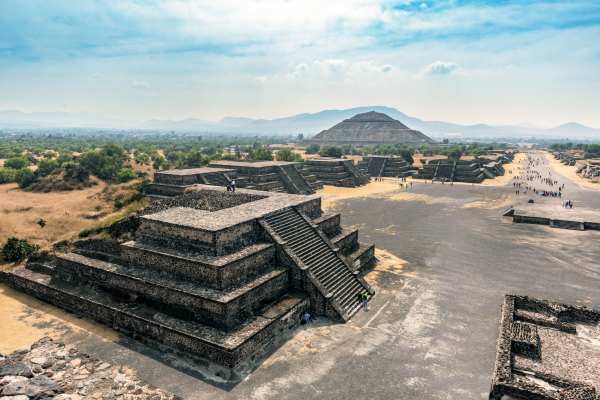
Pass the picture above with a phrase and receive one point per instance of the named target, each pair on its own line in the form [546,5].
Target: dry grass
[64,212]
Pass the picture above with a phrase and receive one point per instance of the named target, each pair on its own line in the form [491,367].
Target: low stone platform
[49,370]
[555,216]
[547,350]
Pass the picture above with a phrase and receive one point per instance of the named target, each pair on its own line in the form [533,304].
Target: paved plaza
[447,259]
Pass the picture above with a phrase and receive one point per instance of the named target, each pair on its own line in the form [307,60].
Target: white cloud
[294,74]
[98,75]
[441,67]
[330,65]
[423,5]
[371,67]
[137,84]
[301,67]
[260,79]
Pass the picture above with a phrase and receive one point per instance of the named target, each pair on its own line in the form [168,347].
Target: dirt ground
[63,212]
[569,172]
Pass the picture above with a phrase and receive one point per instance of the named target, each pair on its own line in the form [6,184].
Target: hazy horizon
[460,62]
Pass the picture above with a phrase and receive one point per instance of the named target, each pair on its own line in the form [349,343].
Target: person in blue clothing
[365,298]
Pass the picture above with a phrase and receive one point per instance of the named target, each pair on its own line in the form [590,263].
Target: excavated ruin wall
[504,382]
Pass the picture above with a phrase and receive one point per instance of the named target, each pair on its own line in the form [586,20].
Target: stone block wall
[224,315]
[231,271]
[516,337]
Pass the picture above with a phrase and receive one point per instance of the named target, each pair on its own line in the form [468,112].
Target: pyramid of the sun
[370,129]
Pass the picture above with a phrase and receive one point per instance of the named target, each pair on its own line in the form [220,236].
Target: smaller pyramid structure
[370,129]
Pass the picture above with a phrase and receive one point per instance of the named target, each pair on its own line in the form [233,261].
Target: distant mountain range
[306,123]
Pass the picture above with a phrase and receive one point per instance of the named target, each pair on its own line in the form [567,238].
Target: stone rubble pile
[48,370]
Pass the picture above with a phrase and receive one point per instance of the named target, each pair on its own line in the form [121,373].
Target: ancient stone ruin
[212,275]
[276,176]
[48,369]
[336,172]
[555,216]
[546,350]
[472,171]
[384,166]
[370,129]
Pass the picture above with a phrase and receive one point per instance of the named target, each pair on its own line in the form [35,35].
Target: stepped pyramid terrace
[384,166]
[370,129]
[336,172]
[471,171]
[212,275]
[272,176]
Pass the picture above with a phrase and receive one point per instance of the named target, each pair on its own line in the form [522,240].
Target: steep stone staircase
[216,179]
[375,166]
[299,184]
[327,266]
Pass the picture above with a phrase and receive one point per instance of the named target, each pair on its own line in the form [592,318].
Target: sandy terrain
[31,319]
[569,172]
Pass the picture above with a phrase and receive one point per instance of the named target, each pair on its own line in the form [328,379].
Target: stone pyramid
[370,129]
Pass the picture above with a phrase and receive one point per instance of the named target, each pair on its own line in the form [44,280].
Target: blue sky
[457,61]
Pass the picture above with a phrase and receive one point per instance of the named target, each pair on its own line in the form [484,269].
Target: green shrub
[63,158]
[262,154]
[41,223]
[331,151]
[313,149]
[104,163]
[16,250]
[17,163]
[288,155]
[49,154]
[229,157]
[7,175]
[45,167]
[25,177]
[126,174]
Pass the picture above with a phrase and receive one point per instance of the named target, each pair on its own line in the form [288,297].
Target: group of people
[306,318]
[231,188]
[568,204]
[546,193]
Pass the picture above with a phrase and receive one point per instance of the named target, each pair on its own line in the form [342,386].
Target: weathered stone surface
[15,368]
[541,353]
[63,386]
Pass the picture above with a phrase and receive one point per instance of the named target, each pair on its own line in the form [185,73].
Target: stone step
[189,338]
[327,266]
[218,272]
[222,309]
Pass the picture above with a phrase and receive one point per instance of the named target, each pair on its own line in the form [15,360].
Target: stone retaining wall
[154,331]
[225,275]
[223,315]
